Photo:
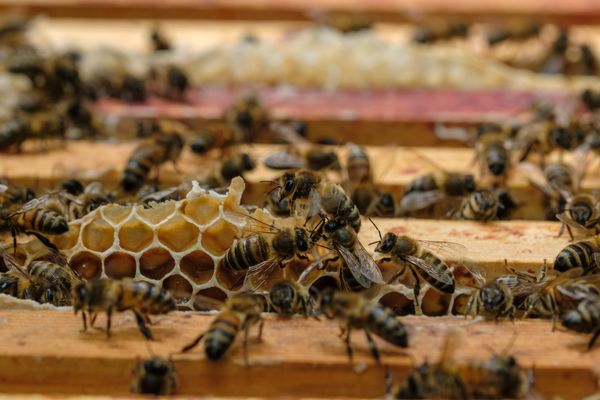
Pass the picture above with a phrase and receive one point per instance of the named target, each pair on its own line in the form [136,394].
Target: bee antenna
[376,227]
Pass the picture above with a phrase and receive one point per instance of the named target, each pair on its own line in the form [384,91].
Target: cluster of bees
[317,222]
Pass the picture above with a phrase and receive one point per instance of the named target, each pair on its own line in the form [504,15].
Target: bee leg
[561,231]
[139,318]
[92,318]
[108,322]
[84,320]
[373,347]
[44,241]
[416,291]
[570,232]
[245,345]
[593,339]
[389,382]
[349,344]
[193,344]
[260,329]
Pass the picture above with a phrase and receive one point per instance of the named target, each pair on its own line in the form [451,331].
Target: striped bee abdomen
[580,254]
[383,322]
[220,335]
[246,252]
[44,221]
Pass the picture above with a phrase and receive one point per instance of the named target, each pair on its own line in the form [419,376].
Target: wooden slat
[403,117]
[42,351]
[579,11]
[393,167]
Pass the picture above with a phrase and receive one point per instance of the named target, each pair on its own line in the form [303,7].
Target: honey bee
[440,30]
[158,39]
[383,206]
[246,117]
[498,377]
[544,136]
[560,184]
[16,282]
[11,195]
[585,318]
[308,193]
[358,164]
[314,158]
[206,139]
[423,264]
[155,376]
[506,203]
[491,150]
[288,297]
[106,295]
[160,149]
[481,205]
[516,31]
[239,313]
[292,131]
[33,219]
[236,166]
[354,311]
[169,81]
[12,134]
[276,204]
[55,281]
[584,254]
[349,23]
[91,197]
[501,296]
[582,212]
[259,254]
[358,270]
[591,99]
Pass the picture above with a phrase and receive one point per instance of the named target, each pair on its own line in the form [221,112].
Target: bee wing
[416,201]
[32,204]
[12,263]
[160,195]
[205,303]
[260,273]
[455,251]
[562,217]
[519,286]
[284,160]
[286,133]
[429,269]
[93,187]
[361,263]
[571,291]
[314,203]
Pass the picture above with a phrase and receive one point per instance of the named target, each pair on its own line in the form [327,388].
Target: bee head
[281,297]
[470,185]
[580,213]
[387,243]
[302,239]
[288,184]
[156,366]
[491,297]
[80,295]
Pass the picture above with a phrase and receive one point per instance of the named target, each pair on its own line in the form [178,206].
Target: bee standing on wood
[166,146]
[491,150]
[422,263]
[155,376]
[246,117]
[239,313]
[105,295]
[55,281]
[481,205]
[353,311]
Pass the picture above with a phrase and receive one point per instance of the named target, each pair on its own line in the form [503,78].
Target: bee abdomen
[424,183]
[575,255]
[135,173]
[480,206]
[246,252]
[348,280]
[221,335]
[45,221]
[148,298]
[443,269]
[383,323]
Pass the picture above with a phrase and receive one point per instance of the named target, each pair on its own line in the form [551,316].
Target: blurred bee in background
[165,145]
[440,30]
[506,203]
[558,184]
[491,149]
[354,311]
[289,131]
[277,205]
[106,295]
[11,195]
[427,190]
[155,376]
[12,134]
[231,166]
[158,40]
[208,138]
[357,269]
[246,118]
[314,158]
[349,23]
[582,212]
[481,205]
[169,81]
[239,313]
[513,31]
[422,263]
[288,297]
[590,98]
[309,195]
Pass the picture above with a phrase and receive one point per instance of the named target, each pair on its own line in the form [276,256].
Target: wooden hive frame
[36,359]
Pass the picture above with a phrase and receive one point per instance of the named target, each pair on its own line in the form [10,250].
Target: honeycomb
[180,244]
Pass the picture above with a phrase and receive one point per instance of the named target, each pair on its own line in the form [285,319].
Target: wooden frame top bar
[571,12]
